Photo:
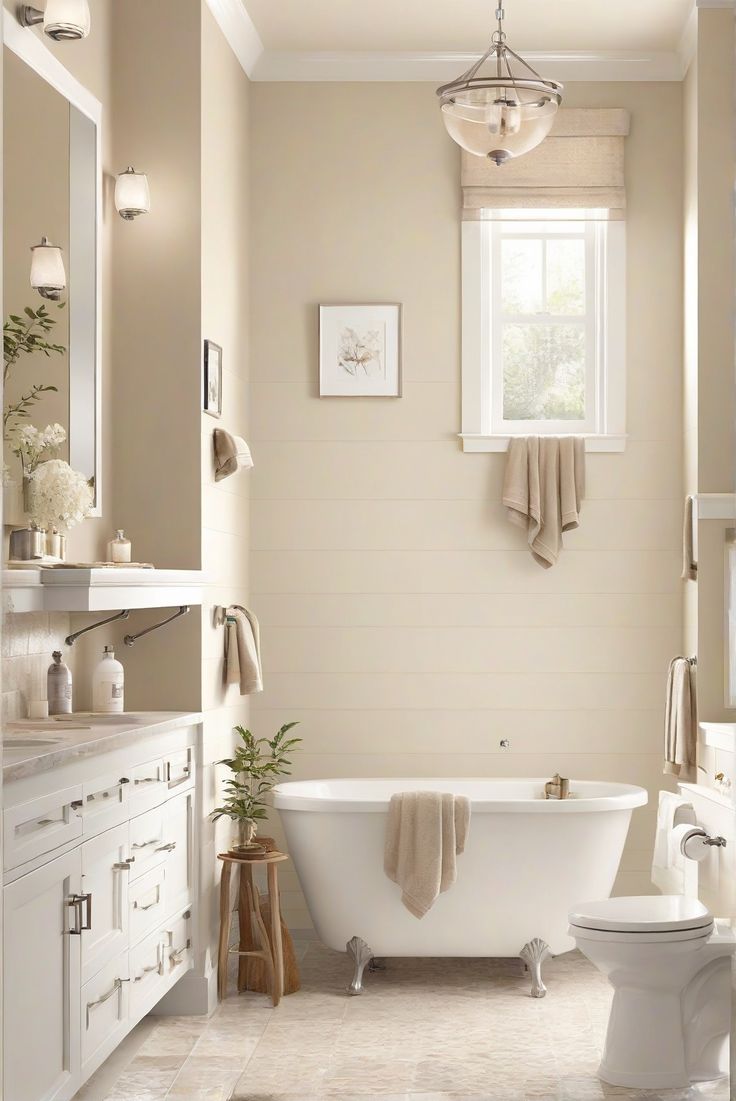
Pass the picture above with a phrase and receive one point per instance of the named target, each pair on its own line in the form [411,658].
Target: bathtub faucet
[557,788]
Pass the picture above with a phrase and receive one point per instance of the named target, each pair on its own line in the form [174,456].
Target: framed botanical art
[360,351]
[212,379]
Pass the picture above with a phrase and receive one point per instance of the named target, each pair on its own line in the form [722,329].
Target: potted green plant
[256,767]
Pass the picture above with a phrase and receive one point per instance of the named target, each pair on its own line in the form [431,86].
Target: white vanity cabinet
[99,906]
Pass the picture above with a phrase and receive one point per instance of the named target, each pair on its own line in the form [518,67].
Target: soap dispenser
[118,549]
[59,686]
[108,683]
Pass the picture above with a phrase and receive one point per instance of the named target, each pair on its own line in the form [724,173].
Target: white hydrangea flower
[61,497]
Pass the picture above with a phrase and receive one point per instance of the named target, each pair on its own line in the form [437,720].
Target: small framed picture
[212,376]
[360,351]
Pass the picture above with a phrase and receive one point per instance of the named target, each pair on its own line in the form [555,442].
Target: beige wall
[403,622]
[709,341]
[225,511]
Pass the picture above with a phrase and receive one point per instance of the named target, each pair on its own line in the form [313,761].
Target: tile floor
[425,1030]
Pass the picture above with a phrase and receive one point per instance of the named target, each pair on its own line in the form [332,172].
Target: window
[543,328]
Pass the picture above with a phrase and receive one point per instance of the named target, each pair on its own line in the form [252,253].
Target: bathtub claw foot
[533,956]
[362,956]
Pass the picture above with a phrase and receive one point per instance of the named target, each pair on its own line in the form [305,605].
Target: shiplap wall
[403,621]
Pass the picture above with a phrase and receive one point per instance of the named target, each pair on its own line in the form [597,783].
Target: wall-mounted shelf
[99,590]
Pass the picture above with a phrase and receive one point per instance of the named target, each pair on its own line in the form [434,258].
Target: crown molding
[689,39]
[239,30]
[365,66]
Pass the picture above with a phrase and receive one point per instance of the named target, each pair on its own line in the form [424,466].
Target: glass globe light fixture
[132,194]
[62,20]
[48,276]
[503,114]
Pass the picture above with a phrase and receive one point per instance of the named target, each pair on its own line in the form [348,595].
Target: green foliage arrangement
[25,336]
[256,767]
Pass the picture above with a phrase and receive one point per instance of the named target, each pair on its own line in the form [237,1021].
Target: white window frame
[483,427]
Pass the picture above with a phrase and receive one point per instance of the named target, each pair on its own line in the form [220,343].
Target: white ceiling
[464,25]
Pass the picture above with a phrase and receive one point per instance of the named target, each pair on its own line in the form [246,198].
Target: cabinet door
[105,868]
[41,982]
[179,862]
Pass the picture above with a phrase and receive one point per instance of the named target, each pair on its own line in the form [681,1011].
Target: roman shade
[579,166]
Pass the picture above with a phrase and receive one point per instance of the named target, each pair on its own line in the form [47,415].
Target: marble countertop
[50,743]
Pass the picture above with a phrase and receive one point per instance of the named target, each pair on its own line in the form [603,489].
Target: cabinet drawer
[146,903]
[179,860]
[148,786]
[176,938]
[148,841]
[32,829]
[147,974]
[179,768]
[104,1013]
[104,803]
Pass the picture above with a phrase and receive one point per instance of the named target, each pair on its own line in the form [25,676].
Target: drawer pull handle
[51,822]
[167,848]
[123,865]
[146,844]
[116,987]
[74,904]
[149,905]
[149,971]
[148,780]
[175,955]
[185,774]
[77,804]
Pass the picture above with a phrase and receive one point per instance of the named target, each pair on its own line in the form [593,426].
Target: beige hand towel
[680,721]
[425,831]
[243,651]
[543,490]
[231,454]
[689,564]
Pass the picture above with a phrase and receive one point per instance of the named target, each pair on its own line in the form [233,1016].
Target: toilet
[669,963]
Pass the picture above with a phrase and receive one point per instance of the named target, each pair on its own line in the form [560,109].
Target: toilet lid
[642,914]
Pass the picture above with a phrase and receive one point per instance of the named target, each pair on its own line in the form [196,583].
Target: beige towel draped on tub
[543,490]
[680,721]
[425,832]
[243,650]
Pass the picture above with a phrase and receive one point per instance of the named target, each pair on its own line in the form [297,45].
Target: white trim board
[239,29]
[364,66]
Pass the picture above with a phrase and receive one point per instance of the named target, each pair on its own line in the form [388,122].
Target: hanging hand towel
[231,454]
[543,490]
[243,651]
[680,721]
[689,563]
[425,831]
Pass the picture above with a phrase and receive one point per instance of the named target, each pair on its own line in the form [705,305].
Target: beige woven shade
[579,166]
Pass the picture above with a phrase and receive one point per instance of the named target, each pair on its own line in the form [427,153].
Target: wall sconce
[132,196]
[47,270]
[63,20]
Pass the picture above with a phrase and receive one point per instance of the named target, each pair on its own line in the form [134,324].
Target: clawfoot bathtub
[527,862]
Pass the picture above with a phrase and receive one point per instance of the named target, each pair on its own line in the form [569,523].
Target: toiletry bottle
[108,681]
[118,549]
[59,686]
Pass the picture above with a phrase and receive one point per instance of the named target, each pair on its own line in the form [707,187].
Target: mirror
[52,188]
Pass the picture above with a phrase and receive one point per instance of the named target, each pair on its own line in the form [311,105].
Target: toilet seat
[669,917]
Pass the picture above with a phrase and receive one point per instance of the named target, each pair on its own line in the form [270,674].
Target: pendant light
[503,114]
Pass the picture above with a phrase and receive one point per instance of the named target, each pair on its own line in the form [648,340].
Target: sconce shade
[63,20]
[48,276]
[132,196]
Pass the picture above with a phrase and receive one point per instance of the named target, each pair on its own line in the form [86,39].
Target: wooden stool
[252,929]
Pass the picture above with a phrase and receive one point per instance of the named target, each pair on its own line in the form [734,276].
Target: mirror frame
[30,49]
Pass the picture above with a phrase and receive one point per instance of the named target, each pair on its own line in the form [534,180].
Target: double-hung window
[543,328]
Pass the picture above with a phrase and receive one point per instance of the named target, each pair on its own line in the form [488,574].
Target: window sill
[478,443]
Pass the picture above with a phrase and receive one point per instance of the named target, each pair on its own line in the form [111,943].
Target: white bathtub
[527,862]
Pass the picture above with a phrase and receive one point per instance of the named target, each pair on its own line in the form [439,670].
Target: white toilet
[669,963]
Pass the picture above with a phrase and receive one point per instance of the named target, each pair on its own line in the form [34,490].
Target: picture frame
[212,379]
[360,350]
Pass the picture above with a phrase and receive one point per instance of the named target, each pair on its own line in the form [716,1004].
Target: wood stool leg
[278,948]
[247,940]
[224,930]
[255,904]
